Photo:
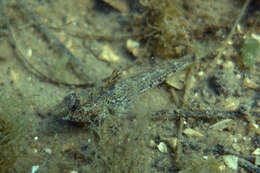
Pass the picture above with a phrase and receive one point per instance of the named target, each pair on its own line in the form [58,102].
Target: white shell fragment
[172,142]
[248,83]
[256,152]
[120,5]
[231,161]
[177,80]
[48,150]
[35,168]
[220,125]
[29,52]
[152,143]
[73,171]
[162,147]
[256,36]
[108,54]
[190,132]
[133,47]
[231,103]
[257,160]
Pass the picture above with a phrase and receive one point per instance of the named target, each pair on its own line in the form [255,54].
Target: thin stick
[27,65]
[248,165]
[179,144]
[74,62]
[198,114]
[243,10]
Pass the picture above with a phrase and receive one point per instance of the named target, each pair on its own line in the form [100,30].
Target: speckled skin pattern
[118,97]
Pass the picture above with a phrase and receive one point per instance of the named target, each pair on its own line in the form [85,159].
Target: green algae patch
[173,28]
[12,129]
[8,142]
[249,52]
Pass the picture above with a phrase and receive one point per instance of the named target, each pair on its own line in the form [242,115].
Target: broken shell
[229,65]
[231,104]
[152,143]
[15,76]
[190,132]
[248,83]
[29,52]
[120,5]
[257,160]
[67,146]
[176,81]
[256,152]
[133,47]
[221,124]
[162,147]
[240,30]
[172,142]
[48,150]
[231,161]
[108,54]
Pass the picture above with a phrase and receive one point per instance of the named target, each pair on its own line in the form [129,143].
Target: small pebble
[229,65]
[35,168]
[67,146]
[48,150]
[205,157]
[256,36]
[152,143]
[236,147]
[179,50]
[15,76]
[29,52]
[201,73]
